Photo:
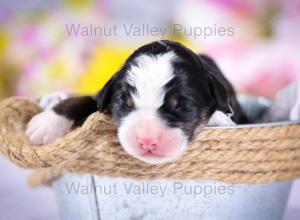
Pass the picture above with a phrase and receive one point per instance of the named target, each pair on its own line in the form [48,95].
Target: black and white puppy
[158,99]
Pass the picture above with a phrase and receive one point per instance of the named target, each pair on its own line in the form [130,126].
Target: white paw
[47,126]
[49,101]
[218,118]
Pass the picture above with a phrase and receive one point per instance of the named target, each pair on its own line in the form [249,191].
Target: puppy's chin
[169,145]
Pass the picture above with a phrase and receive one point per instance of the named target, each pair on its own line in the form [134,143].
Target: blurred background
[76,46]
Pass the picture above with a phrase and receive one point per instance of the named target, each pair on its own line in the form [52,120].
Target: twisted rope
[236,155]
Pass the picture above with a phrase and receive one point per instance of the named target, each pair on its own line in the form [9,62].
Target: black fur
[76,108]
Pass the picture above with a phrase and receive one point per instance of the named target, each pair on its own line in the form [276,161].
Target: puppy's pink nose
[148,144]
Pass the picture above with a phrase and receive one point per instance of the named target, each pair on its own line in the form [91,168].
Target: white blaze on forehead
[149,77]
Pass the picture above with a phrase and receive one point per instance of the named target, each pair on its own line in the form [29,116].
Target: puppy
[158,99]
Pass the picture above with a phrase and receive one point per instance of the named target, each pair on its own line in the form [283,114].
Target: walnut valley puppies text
[147,30]
[151,188]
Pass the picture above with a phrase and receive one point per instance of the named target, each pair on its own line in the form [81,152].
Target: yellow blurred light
[105,63]
[58,69]
[3,43]
[1,81]
[78,4]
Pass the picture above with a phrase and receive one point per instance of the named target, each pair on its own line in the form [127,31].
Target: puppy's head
[158,98]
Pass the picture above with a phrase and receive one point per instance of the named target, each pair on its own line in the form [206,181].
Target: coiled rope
[237,155]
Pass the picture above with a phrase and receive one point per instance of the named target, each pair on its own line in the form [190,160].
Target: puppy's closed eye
[172,101]
[129,101]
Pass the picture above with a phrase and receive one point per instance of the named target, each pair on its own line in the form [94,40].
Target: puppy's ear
[104,96]
[221,95]
[219,85]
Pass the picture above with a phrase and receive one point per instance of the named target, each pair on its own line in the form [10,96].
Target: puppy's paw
[52,99]
[47,126]
[218,118]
